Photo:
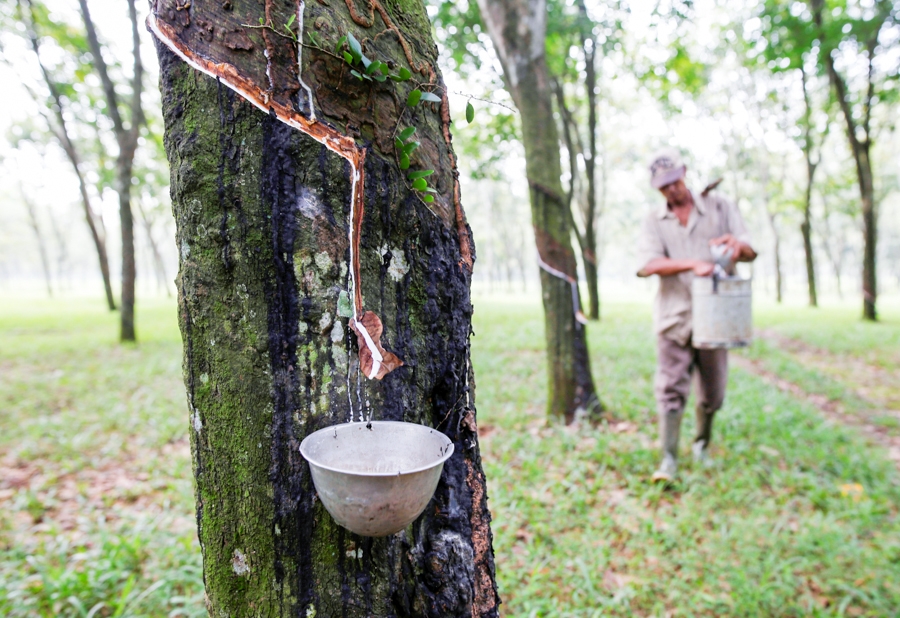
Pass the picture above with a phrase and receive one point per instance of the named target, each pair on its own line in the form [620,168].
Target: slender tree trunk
[98,239]
[129,270]
[39,237]
[811,166]
[870,232]
[860,146]
[806,231]
[776,246]
[62,134]
[592,276]
[832,252]
[285,227]
[517,28]
[127,140]
[779,284]
[159,265]
[589,251]
[771,216]
[62,256]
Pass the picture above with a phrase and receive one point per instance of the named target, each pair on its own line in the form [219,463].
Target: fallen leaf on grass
[623,427]
[617,497]
[613,581]
[16,477]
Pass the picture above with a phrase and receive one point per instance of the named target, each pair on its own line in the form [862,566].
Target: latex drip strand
[576,304]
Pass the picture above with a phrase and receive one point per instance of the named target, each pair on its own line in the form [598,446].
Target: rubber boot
[669,432]
[700,447]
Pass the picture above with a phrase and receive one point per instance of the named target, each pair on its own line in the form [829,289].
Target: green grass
[812,380]
[838,329]
[579,531]
[96,509]
[832,352]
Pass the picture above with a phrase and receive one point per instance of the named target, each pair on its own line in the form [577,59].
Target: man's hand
[740,251]
[703,269]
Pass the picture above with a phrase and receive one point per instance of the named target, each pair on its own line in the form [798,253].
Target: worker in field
[678,241]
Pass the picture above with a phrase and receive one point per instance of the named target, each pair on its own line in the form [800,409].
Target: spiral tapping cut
[375,361]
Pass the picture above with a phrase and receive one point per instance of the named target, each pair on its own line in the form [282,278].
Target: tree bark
[811,166]
[833,253]
[806,231]
[286,226]
[589,251]
[779,285]
[771,215]
[517,29]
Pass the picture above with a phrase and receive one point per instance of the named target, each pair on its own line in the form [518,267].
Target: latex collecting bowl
[376,478]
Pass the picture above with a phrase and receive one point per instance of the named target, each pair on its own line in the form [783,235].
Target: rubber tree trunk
[39,237]
[776,251]
[124,167]
[285,227]
[592,276]
[589,251]
[870,231]
[517,29]
[811,167]
[806,231]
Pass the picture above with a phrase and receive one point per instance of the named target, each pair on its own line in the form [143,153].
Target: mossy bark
[263,214]
[517,29]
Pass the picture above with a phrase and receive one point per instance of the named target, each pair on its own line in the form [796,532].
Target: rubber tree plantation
[325,267]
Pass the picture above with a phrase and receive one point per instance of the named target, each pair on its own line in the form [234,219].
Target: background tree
[840,211]
[517,29]
[65,98]
[848,39]
[34,224]
[812,139]
[301,222]
[127,121]
[576,42]
[793,52]
[865,33]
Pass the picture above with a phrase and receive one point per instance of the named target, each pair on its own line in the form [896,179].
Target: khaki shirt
[662,235]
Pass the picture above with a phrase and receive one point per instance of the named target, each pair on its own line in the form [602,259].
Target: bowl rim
[440,461]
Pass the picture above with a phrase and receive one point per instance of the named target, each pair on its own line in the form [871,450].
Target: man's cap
[666,167]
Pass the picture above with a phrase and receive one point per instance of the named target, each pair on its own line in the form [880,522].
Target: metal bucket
[722,316]
[376,478]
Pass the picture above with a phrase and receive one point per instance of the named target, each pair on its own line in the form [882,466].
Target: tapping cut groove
[375,361]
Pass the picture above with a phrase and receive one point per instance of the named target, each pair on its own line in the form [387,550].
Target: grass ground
[95,485]
[800,518]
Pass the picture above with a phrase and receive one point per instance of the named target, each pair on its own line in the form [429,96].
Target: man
[677,243]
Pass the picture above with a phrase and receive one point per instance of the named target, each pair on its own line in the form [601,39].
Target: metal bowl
[376,478]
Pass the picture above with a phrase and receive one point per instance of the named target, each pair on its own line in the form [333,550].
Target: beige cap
[666,167]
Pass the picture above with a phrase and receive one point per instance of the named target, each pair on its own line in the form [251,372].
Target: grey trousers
[674,367]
